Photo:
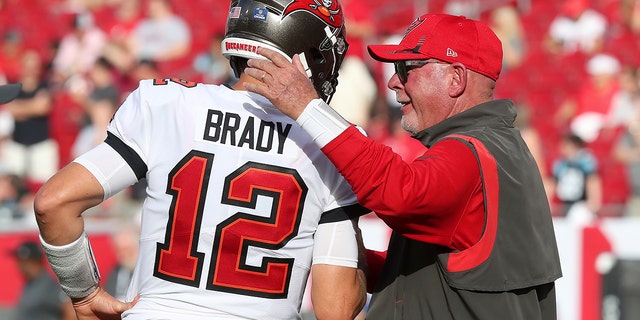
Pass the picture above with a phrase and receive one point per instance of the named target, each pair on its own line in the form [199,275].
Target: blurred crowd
[571,67]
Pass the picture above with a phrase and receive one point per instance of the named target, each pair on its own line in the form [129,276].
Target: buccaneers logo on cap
[327,10]
[416,23]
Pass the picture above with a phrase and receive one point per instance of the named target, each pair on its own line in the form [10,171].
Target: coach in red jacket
[472,232]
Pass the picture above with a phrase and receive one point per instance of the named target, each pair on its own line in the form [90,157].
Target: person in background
[577,28]
[100,105]
[161,35]
[41,297]
[473,236]
[357,90]
[79,49]
[577,182]
[627,151]
[11,186]
[31,153]
[141,70]
[11,50]
[591,109]
[505,21]
[127,14]
[626,101]
[125,243]
[211,65]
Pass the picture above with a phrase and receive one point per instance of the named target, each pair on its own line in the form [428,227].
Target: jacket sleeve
[425,200]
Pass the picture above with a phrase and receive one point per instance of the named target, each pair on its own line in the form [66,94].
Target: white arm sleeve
[335,244]
[321,122]
[109,168]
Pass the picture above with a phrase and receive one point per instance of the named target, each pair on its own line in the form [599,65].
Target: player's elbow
[45,204]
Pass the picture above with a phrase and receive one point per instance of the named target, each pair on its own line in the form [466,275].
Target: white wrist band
[74,265]
[321,122]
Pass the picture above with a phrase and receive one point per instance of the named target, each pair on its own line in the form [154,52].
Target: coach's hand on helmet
[284,83]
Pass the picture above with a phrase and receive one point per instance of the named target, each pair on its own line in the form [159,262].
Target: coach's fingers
[258,86]
[277,63]
[277,58]
[259,67]
[273,63]
[256,73]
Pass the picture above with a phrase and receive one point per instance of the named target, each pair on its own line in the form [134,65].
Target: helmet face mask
[314,29]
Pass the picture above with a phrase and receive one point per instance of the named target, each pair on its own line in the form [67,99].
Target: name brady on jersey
[245,132]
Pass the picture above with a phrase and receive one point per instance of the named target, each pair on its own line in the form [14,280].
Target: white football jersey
[235,193]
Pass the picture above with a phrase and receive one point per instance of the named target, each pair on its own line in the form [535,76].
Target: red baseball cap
[448,38]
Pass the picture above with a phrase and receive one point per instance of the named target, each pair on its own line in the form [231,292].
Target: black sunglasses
[403,67]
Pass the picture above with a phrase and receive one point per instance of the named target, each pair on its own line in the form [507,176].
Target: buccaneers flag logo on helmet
[327,10]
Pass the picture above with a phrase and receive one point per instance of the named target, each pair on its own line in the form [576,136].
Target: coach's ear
[458,79]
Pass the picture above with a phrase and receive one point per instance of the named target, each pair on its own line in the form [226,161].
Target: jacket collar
[496,113]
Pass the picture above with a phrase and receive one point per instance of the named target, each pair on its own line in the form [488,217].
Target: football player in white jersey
[241,205]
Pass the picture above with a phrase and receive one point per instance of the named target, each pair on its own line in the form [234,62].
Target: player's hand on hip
[101,305]
[284,83]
